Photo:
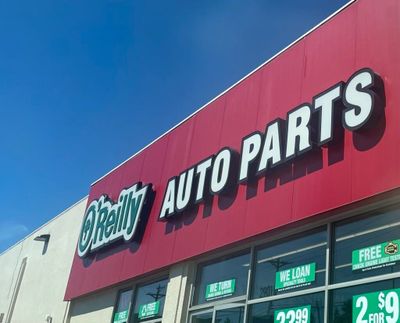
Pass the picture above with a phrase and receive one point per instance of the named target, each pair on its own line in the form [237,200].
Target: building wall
[352,167]
[95,308]
[380,213]
[177,300]
[43,280]
[98,307]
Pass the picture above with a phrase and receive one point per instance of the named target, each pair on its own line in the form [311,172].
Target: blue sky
[80,76]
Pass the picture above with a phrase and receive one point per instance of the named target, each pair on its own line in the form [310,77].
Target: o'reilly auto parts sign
[106,222]
[353,105]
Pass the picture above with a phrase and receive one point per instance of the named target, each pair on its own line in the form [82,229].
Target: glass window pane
[149,302]
[230,315]
[309,306]
[226,278]
[366,247]
[121,313]
[202,318]
[296,264]
[341,305]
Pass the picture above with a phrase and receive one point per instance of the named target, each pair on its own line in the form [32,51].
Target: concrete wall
[181,277]
[32,284]
[98,307]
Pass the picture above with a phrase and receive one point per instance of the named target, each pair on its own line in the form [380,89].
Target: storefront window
[231,315]
[149,301]
[222,279]
[293,265]
[305,308]
[202,318]
[123,306]
[290,282]
[376,302]
[367,247]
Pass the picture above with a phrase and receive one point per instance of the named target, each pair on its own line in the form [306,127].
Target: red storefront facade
[352,167]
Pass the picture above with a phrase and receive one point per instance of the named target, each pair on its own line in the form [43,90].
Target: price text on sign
[149,310]
[293,315]
[295,277]
[220,289]
[378,307]
[383,254]
[121,317]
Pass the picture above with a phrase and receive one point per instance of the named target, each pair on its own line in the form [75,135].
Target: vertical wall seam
[16,290]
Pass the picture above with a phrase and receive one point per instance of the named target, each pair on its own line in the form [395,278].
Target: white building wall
[95,308]
[43,283]
[98,307]
[177,299]
[37,282]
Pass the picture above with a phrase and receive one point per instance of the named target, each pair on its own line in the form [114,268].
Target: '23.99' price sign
[378,307]
[293,315]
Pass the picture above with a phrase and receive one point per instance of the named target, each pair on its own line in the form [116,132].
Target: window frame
[292,252]
[363,209]
[222,300]
[117,299]
[144,283]
[134,287]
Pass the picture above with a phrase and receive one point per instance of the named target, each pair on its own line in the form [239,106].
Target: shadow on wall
[362,140]
[312,161]
[121,245]
[101,303]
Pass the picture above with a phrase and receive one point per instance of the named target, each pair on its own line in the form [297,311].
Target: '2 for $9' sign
[378,307]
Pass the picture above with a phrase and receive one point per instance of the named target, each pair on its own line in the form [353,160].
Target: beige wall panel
[178,293]
[43,283]
[97,308]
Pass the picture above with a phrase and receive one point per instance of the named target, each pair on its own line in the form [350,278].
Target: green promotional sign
[220,289]
[300,314]
[149,310]
[295,277]
[121,317]
[378,307]
[380,255]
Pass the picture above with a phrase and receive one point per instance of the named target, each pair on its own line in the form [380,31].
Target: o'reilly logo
[106,221]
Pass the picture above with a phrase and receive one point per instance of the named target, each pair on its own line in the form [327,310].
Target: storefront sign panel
[300,314]
[355,165]
[377,307]
[377,256]
[220,289]
[149,310]
[121,317]
[295,277]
